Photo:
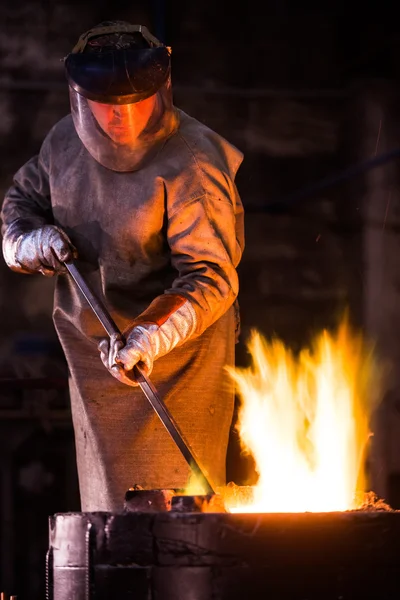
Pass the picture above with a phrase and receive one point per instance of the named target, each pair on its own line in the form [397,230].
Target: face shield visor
[121,101]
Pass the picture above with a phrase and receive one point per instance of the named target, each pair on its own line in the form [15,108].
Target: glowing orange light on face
[124,123]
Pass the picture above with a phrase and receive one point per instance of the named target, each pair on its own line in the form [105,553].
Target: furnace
[162,547]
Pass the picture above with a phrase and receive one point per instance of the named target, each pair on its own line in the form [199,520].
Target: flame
[305,419]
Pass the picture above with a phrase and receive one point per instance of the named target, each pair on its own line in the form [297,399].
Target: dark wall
[302,89]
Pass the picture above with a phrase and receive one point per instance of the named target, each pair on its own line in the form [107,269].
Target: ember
[305,420]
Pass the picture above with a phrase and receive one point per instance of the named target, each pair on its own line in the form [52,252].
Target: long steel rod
[145,384]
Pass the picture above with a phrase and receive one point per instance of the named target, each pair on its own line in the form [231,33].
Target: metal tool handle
[141,378]
[98,308]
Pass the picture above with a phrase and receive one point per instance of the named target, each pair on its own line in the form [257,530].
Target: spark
[378,136]
[387,210]
[318,237]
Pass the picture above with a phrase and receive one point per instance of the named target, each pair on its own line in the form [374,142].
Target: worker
[143,198]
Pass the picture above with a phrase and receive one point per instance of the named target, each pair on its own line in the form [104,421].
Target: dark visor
[119,76]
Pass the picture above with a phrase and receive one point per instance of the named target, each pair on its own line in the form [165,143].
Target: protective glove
[169,321]
[40,250]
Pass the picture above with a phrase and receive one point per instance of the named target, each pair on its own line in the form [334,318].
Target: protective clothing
[120,94]
[156,337]
[43,250]
[173,227]
[147,240]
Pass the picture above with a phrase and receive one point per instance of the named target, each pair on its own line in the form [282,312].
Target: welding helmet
[119,78]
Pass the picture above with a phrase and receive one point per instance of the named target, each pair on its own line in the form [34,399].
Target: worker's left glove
[169,321]
[37,249]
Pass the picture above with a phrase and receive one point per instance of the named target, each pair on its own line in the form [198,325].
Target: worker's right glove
[168,322]
[42,250]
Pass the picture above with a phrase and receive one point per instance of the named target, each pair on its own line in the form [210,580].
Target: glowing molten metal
[305,420]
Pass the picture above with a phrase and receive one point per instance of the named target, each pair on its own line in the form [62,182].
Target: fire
[305,419]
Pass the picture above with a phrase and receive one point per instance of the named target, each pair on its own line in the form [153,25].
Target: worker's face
[123,123]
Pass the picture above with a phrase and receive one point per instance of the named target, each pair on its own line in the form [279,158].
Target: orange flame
[305,420]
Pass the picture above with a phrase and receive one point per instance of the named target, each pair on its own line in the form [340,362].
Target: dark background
[307,90]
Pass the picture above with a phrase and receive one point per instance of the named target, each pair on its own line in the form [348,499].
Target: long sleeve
[26,204]
[205,229]
[206,242]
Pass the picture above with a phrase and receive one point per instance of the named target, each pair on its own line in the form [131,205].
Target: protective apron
[173,226]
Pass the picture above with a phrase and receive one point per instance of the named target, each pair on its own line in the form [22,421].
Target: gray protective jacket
[175,226]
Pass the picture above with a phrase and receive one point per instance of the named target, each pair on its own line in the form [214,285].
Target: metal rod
[169,423]
[141,378]
[98,308]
